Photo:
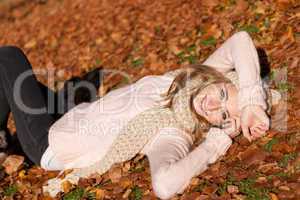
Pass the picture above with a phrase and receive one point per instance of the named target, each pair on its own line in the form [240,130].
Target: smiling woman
[217,103]
[163,117]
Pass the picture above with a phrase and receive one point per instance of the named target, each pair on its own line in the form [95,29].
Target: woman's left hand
[254,122]
[232,127]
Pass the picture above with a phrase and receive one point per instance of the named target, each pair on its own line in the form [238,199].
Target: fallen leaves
[252,156]
[12,163]
[143,37]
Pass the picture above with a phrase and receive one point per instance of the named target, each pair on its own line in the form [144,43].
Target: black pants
[28,100]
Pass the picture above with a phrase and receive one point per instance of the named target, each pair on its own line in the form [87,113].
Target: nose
[213,104]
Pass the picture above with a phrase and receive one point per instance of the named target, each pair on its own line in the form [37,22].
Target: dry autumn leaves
[151,37]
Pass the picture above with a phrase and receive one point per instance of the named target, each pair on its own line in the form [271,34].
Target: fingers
[230,123]
[246,133]
[238,124]
[262,117]
[255,119]
[258,131]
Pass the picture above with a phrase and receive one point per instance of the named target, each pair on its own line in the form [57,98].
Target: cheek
[213,119]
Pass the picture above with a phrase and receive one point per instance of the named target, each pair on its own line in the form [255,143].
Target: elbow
[161,191]
[161,185]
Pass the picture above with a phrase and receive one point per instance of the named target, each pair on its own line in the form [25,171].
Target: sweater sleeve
[238,52]
[172,165]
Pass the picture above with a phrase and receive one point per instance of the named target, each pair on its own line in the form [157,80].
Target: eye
[222,94]
[224,115]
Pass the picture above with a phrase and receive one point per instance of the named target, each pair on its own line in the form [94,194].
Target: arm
[238,52]
[172,165]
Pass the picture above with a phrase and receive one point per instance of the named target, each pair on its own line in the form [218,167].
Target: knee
[10,52]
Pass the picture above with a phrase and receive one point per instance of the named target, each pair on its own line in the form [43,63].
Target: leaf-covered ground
[142,37]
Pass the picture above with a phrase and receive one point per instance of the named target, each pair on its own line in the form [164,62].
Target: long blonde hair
[208,76]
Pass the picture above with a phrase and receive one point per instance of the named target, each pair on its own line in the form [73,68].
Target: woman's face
[217,103]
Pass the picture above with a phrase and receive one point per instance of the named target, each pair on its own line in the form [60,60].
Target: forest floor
[146,37]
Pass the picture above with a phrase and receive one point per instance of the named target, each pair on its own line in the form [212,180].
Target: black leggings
[28,100]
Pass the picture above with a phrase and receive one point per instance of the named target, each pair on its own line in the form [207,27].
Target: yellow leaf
[99,41]
[273,196]
[67,186]
[99,194]
[31,44]
[22,174]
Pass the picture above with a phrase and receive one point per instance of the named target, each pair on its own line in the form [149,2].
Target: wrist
[251,106]
[219,139]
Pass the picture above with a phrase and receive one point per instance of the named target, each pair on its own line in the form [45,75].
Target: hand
[254,122]
[232,127]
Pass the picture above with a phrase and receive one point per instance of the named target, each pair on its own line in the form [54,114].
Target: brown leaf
[284,4]
[191,196]
[116,36]
[261,180]
[253,155]
[240,174]
[13,163]
[286,195]
[269,168]
[210,189]
[115,174]
[240,8]
[282,147]
[284,187]
[209,3]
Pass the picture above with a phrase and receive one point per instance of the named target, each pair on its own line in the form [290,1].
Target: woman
[164,117]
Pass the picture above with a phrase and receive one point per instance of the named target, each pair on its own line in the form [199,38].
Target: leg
[26,101]
[75,91]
